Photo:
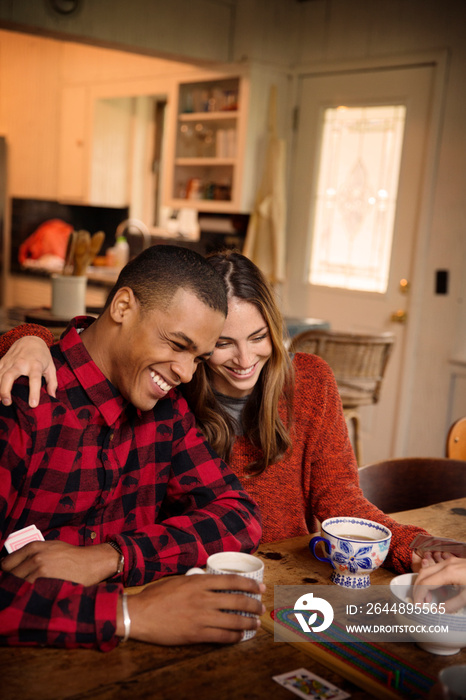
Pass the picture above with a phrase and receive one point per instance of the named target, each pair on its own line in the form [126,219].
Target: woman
[276,420]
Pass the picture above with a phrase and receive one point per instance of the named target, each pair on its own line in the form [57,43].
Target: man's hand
[28,356]
[191,609]
[448,572]
[55,559]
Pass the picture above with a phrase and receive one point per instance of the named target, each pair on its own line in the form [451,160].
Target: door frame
[439,62]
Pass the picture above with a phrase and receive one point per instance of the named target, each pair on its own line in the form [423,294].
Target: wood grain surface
[138,671]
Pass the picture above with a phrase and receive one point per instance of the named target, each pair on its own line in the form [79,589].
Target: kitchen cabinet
[95,143]
[205,162]
[204,151]
[213,134]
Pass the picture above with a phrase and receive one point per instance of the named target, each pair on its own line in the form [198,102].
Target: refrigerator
[3,220]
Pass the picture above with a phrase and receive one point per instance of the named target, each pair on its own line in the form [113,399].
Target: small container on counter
[121,252]
[110,257]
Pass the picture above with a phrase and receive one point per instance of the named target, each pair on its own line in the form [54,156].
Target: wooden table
[289,562]
[138,671]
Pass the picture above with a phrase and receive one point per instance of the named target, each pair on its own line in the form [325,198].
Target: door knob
[399,316]
[404,286]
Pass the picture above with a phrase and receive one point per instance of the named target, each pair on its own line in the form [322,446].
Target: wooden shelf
[208,116]
[207,205]
[205,161]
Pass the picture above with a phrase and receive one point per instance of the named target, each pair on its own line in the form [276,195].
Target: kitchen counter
[102,276]
[10,318]
[31,291]
[98,276]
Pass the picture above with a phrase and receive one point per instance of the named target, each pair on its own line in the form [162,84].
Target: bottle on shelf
[194,188]
[121,252]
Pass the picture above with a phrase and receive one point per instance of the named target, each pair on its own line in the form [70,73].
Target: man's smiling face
[161,348]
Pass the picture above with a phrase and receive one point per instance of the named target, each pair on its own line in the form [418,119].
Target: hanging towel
[265,237]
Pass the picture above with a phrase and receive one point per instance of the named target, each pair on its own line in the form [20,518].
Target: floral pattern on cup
[354,560]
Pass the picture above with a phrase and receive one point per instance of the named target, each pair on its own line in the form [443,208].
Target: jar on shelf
[205,97]
[187,143]
[222,191]
[194,188]
[205,141]
[188,106]
[231,100]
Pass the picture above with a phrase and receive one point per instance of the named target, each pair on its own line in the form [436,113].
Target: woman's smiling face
[241,351]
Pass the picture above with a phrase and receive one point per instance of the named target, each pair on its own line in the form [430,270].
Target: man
[436,574]
[116,477]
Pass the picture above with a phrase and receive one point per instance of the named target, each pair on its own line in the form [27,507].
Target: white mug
[68,296]
[453,682]
[237,563]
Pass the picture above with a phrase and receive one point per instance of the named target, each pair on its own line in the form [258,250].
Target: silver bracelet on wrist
[121,560]
[126,618]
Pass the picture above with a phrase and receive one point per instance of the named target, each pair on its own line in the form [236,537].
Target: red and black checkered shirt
[87,467]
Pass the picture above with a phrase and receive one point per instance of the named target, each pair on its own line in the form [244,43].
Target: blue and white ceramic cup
[355,547]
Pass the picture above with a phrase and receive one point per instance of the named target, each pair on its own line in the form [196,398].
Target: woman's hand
[429,558]
[30,357]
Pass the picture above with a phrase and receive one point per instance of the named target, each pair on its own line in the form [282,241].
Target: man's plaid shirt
[87,467]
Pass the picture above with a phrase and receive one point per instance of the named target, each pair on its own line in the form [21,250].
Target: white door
[362,311]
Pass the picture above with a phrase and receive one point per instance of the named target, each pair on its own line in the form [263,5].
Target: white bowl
[445,643]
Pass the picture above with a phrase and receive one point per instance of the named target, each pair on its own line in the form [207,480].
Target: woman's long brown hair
[262,424]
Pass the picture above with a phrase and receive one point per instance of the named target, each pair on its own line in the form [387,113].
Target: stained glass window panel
[355,201]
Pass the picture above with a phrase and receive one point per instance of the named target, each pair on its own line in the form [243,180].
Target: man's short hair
[157,273]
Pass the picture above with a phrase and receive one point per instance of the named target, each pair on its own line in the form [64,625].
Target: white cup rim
[238,560]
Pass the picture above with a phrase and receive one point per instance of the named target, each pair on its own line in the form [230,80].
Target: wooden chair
[358,362]
[413,482]
[456,440]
